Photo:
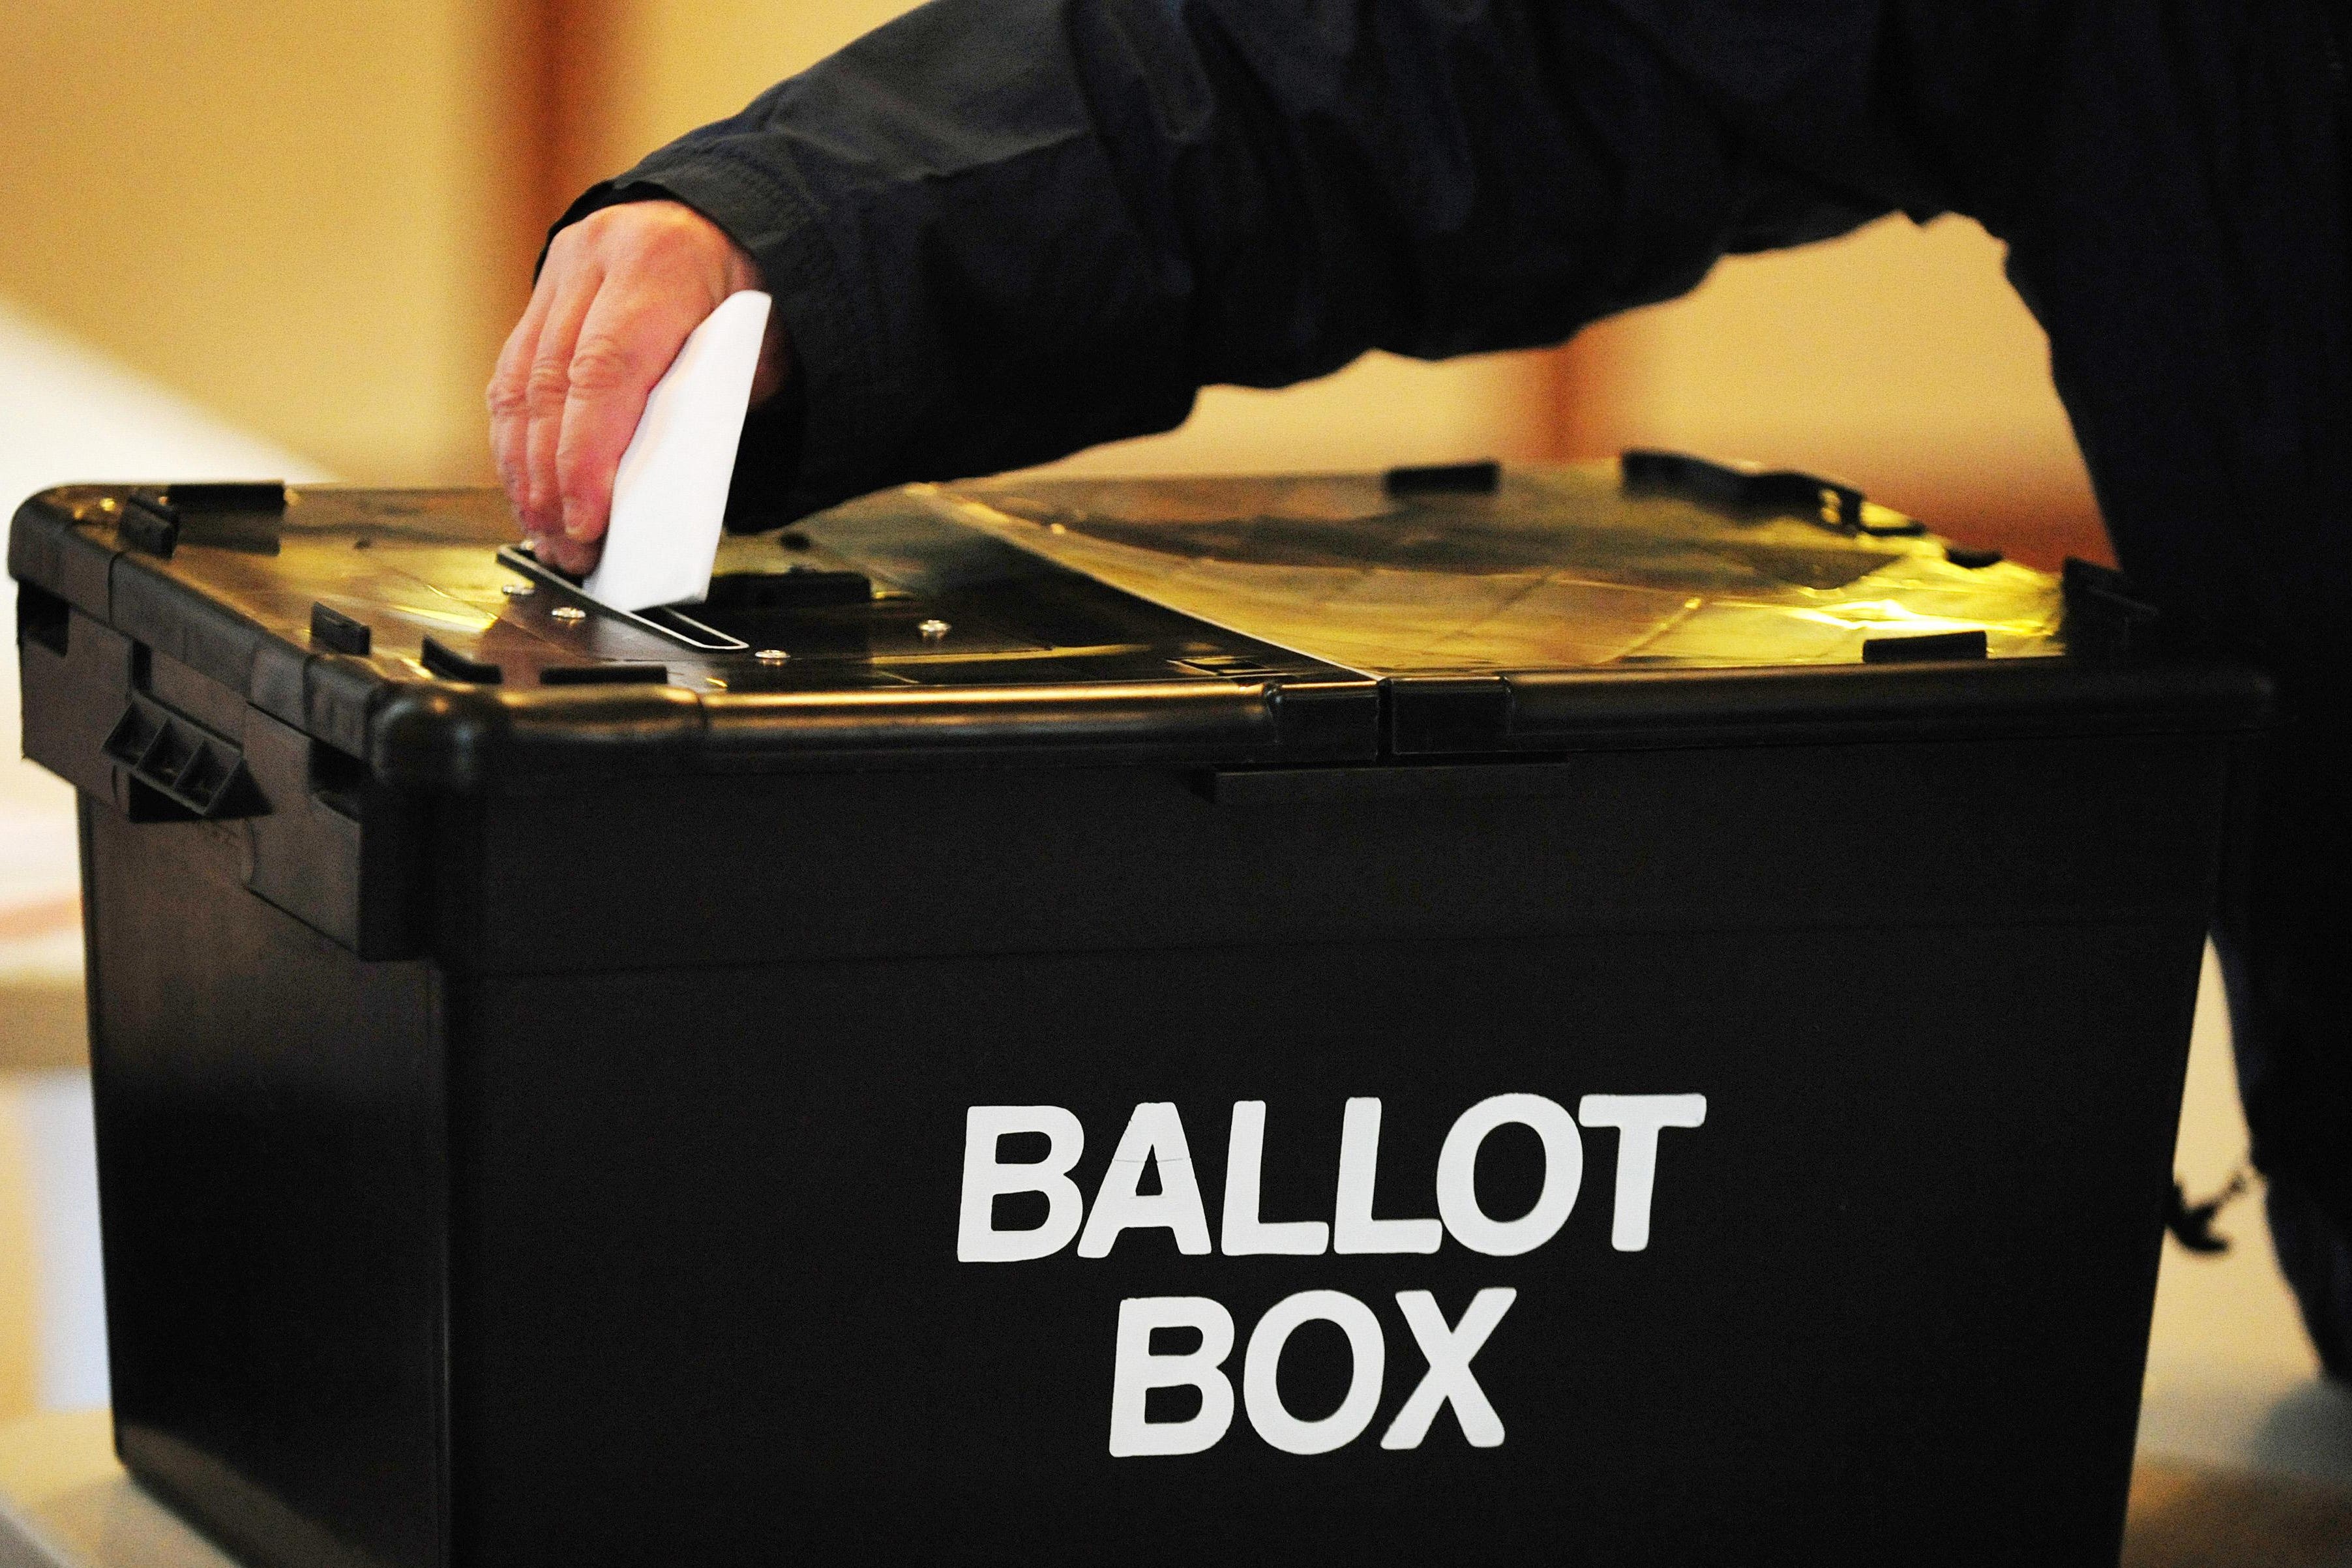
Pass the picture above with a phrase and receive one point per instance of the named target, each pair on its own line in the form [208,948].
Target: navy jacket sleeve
[1001,230]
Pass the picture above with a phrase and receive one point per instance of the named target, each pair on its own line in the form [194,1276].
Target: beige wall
[675,65]
[315,217]
[1897,357]
[19,1296]
[287,208]
[1380,412]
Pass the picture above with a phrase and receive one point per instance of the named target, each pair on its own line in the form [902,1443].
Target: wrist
[741,270]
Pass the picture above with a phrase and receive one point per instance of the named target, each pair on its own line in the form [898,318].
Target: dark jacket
[1001,230]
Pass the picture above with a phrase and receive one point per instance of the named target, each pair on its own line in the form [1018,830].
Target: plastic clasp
[1749,487]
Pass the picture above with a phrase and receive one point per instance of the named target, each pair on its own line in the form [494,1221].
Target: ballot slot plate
[664,619]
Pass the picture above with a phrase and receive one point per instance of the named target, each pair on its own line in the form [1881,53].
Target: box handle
[188,765]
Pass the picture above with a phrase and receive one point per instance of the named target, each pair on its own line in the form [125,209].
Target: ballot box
[1629,1014]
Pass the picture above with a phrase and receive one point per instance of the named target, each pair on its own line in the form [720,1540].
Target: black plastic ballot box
[1581,1014]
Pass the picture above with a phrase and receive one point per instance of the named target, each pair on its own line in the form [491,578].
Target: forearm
[1001,230]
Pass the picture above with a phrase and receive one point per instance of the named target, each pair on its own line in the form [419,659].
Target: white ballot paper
[670,495]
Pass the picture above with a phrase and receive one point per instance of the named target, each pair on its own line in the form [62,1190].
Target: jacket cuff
[813,444]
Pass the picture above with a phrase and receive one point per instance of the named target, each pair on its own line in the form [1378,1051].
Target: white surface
[66,1503]
[2232,1379]
[66,414]
[669,498]
[53,1122]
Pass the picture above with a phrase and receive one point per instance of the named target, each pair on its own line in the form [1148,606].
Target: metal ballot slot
[663,620]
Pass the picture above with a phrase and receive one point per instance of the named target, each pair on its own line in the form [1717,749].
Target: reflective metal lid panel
[1553,568]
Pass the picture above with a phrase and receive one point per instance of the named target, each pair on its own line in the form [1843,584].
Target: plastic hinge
[184,762]
[1481,479]
[1746,488]
[1933,645]
[1227,666]
[1325,720]
[1437,716]
[240,516]
[338,633]
[451,666]
[616,672]
[229,495]
[147,525]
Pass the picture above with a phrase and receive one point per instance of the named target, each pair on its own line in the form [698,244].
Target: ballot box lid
[1418,614]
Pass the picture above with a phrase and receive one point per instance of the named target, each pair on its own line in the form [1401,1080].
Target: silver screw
[933,630]
[516,590]
[568,612]
[771,655]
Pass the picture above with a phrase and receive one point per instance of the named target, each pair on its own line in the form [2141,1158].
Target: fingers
[566,555]
[510,416]
[621,291]
[546,389]
[625,346]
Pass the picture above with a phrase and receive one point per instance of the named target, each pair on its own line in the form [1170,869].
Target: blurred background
[318,220]
[287,235]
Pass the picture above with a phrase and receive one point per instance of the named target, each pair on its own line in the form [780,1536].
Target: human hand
[620,291]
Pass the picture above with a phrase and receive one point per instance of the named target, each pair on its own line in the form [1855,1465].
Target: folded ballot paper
[670,496]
